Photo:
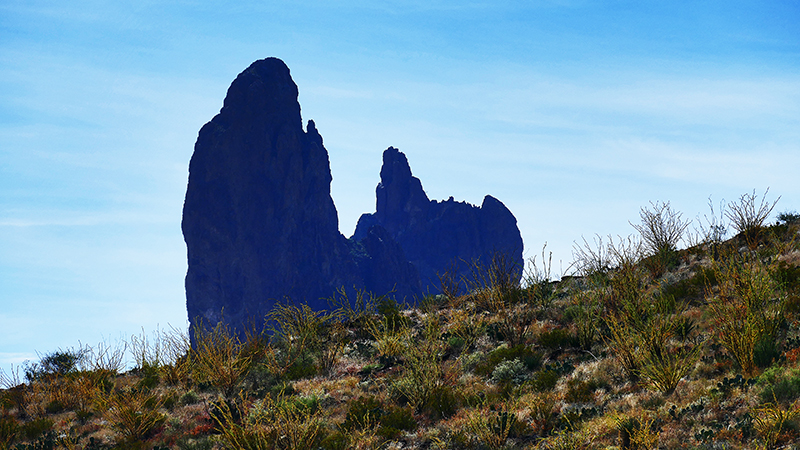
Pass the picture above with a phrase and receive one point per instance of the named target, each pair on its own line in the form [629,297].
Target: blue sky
[573,113]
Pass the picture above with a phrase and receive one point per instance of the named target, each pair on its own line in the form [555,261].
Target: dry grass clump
[696,349]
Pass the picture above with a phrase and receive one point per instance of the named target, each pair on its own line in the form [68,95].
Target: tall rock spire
[259,221]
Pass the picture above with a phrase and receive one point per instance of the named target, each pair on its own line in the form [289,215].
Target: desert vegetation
[645,346]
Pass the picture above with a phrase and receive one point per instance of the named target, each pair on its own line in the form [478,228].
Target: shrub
[391,334]
[747,218]
[58,363]
[558,338]
[747,310]
[134,413]
[494,284]
[442,402]
[543,409]
[390,311]
[299,335]
[644,327]
[788,217]
[568,439]
[9,429]
[106,357]
[426,383]
[450,284]
[513,325]
[545,380]
[661,230]
[592,261]
[278,424]
[537,281]
[396,422]
[35,428]
[510,372]
[491,428]
[363,412]
[581,391]
[692,288]
[771,420]
[636,433]
[177,365]
[780,386]
[664,368]
[584,313]
[218,357]
[389,421]
[713,233]
[530,358]
[189,398]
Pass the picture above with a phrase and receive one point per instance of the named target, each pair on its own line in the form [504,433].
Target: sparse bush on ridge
[661,229]
[748,218]
[591,260]
[788,217]
[701,355]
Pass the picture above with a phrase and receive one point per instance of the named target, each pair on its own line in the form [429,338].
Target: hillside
[646,346]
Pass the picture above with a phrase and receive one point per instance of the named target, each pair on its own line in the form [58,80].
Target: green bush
[368,412]
[149,374]
[585,315]
[691,289]
[788,276]
[558,338]
[544,380]
[510,372]
[529,357]
[788,217]
[362,413]
[396,421]
[189,398]
[582,391]
[784,388]
[58,363]
[335,441]
[765,352]
[390,310]
[442,402]
[747,310]
[9,429]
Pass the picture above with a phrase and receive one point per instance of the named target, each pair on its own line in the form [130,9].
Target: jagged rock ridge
[260,225]
[439,236]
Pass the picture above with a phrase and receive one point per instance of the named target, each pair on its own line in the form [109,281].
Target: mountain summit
[261,227]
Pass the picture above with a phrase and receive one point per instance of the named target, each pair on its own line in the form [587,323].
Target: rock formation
[259,221]
[260,225]
[437,236]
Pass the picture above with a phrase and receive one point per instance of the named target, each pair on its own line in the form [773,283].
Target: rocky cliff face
[259,221]
[437,236]
[260,225]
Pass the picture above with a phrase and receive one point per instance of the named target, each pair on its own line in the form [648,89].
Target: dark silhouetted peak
[264,91]
[399,196]
[260,225]
[259,221]
[436,235]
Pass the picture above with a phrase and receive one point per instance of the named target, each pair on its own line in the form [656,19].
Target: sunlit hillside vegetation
[650,344]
